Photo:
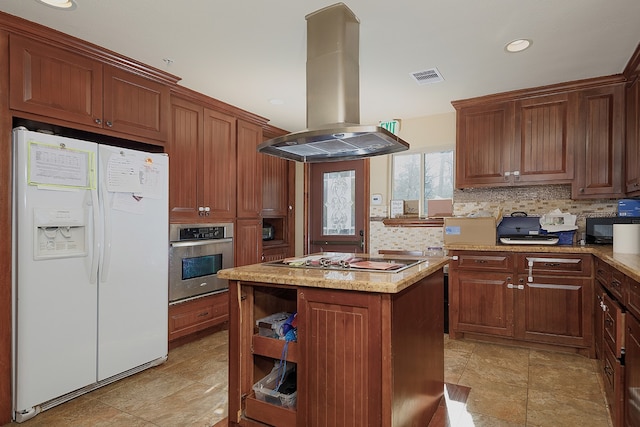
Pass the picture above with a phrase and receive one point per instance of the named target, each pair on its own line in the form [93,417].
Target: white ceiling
[246,52]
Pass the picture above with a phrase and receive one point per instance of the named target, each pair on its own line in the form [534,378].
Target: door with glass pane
[338,201]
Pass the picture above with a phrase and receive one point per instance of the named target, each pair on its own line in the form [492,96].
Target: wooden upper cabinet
[54,82]
[275,185]
[202,165]
[135,105]
[249,172]
[600,143]
[185,161]
[543,150]
[514,142]
[632,182]
[570,133]
[57,83]
[219,168]
[484,141]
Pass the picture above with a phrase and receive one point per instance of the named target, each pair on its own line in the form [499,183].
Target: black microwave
[599,231]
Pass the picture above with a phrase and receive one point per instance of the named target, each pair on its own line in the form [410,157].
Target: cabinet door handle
[98,121]
[108,123]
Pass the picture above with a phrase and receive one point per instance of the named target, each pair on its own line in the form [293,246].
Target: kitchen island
[369,348]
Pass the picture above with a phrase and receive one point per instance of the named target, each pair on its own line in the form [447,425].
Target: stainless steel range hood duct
[333,90]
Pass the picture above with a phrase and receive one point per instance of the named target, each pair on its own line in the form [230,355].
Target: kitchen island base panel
[367,358]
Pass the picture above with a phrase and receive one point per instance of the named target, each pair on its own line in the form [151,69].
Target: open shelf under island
[369,348]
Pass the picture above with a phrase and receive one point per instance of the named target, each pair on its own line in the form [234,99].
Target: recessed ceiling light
[59,4]
[518,45]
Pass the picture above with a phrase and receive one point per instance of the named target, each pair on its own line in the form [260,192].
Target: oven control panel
[202,233]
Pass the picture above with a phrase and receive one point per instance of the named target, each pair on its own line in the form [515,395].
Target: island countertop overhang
[351,279]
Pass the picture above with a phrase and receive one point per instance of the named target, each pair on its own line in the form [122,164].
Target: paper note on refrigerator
[59,166]
[123,174]
[135,174]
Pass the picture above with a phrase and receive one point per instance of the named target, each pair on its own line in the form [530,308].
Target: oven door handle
[199,243]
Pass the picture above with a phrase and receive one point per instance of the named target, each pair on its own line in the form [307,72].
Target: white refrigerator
[90,267]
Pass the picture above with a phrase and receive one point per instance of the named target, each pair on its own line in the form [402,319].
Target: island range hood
[333,90]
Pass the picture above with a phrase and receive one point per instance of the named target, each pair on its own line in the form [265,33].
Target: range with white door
[90,267]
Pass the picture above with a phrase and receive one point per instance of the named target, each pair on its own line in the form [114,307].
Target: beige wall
[429,132]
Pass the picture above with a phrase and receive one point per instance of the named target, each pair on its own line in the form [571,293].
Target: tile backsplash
[534,200]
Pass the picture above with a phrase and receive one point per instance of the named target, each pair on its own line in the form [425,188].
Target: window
[422,176]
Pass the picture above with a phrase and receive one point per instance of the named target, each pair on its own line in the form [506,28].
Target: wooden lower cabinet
[483,303]
[632,373]
[541,298]
[248,242]
[598,321]
[613,378]
[554,310]
[189,317]
[362,359]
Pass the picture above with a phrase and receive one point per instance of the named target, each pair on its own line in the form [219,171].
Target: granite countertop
[629,264]
[352,279]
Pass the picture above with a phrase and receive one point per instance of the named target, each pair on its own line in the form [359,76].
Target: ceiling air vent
[424,77]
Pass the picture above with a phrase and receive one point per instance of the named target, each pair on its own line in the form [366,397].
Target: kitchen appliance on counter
[90,267]
[599,230]
[196,253]
[523,230]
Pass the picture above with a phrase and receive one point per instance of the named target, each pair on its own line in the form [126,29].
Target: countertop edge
[629,264]
[388,283]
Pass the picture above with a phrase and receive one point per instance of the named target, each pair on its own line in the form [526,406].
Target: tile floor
[510,387]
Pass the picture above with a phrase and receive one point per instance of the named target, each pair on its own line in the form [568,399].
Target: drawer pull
[609,322]
[206,313]
[552,264]
[615,283]
[481,261]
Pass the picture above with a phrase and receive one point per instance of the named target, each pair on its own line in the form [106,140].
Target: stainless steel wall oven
[196,253]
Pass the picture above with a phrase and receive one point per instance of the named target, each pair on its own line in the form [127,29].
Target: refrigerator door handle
[106,252]
[93,275]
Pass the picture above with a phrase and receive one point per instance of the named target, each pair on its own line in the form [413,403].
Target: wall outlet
[376,199]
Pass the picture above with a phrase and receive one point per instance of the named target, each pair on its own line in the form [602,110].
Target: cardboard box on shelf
[470,231]
[629,207]
[439,208]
